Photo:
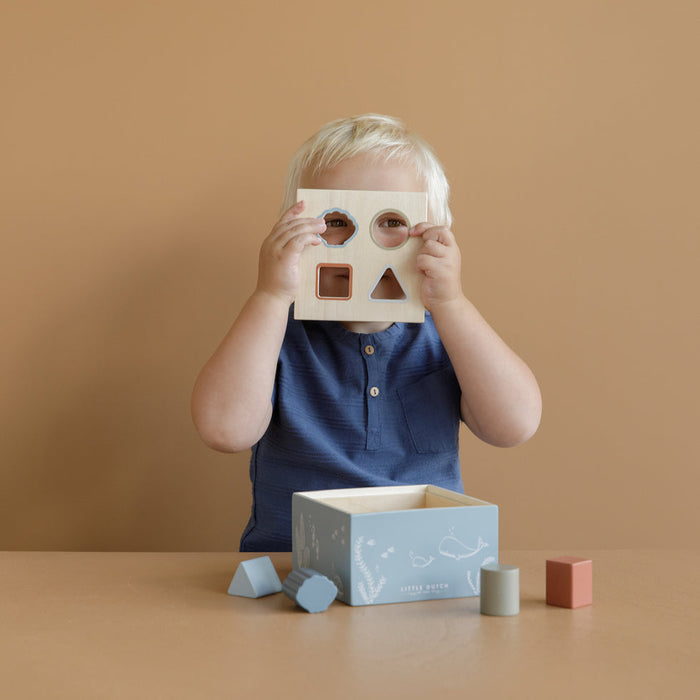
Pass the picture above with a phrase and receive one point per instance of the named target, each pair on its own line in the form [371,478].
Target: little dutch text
[425,587]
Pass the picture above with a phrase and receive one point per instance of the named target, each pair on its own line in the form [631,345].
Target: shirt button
[374,391]
[369,349]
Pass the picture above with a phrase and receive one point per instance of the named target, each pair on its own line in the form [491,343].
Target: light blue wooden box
[395,544]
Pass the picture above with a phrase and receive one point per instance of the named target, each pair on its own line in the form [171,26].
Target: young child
[338,405]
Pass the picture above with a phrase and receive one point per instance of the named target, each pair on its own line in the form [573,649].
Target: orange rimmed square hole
[333,281]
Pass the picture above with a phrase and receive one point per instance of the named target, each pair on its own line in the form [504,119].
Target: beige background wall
[142,155]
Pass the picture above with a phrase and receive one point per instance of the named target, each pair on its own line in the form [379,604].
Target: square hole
[333,281]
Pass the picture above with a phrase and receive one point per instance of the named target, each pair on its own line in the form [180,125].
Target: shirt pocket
[431,410]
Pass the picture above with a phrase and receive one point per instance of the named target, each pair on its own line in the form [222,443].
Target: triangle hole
[388,287]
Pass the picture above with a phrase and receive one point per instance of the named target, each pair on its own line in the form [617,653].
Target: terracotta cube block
[569,582]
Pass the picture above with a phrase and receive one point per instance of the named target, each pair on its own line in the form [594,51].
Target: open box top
[380,499]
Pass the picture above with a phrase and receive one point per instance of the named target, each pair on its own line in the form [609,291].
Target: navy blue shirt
[352,410]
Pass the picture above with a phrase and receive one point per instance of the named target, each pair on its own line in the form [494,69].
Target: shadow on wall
[100,450]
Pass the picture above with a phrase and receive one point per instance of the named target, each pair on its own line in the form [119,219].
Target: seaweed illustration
[304,549]
[301,550]
[370,588]
[315,548]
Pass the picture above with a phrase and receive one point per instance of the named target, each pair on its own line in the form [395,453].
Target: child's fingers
[293,211]
[441,234]
[437,268]
[300,235]
[438,242]
[297,243]
[436,248]
[430,232]
[285,229]
[419,229]
[302,226]
[290,217]
[428,264]
[439,251]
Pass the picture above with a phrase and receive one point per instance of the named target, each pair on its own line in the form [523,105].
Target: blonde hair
[387,137]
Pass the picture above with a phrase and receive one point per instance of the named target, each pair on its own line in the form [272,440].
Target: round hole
[389,229]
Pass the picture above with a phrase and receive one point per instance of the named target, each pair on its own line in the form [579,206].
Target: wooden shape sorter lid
[367,235]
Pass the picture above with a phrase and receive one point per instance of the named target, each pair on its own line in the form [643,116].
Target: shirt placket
[373,391]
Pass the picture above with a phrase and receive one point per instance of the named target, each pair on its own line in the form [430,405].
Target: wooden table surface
[160,625]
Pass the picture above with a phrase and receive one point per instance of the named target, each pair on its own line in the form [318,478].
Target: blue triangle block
[255,578]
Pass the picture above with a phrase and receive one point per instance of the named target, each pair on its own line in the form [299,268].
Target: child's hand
[440,261]
[278,271]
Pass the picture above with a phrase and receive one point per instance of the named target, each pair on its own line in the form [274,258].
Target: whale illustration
[420,562]
[455,549]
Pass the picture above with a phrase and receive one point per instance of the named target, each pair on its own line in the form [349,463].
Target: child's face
[366,172]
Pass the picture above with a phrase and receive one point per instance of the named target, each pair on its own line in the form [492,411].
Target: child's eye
[392,223]
[336,223]
[390,229]
[340,227]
